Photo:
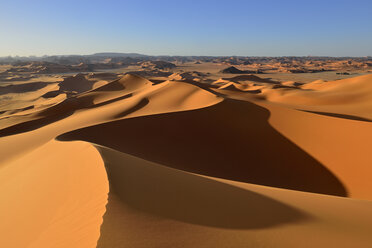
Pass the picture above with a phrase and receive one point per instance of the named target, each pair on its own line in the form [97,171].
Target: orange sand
[89,161]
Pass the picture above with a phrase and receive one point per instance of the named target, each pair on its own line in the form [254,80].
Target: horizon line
[164,55]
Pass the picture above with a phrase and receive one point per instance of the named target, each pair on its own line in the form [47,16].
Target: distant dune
[234,70]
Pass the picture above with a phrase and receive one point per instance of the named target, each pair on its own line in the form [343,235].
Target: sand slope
[54,196]
[347,98]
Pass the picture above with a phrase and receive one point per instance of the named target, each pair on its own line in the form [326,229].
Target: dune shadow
[342,116]
[33,124]
[63,110]
[231,140]
[254,78]
[22,88]
[159,191]
[4,77]
[52,94]
[113,86]
[206,87]
[44,117]
[77,83]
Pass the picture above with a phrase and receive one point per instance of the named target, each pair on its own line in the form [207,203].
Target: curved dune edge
[150,205]
[350,96]
[342,145]
[222,140]
[52,198]
[333,127]
[340,142]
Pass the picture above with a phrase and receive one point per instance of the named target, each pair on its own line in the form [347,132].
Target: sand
[190,160]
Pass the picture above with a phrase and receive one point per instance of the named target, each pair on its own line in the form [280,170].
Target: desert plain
[126,150]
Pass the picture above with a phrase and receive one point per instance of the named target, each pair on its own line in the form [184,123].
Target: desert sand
[185,155]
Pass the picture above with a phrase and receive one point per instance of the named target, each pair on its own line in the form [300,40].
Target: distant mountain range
[112,59]
[113,55]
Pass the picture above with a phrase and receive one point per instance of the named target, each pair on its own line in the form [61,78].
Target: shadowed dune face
[250,78]
[230,140]
[342,116]
[163,192]
[44,117]
[120,84]
[86,100]
[22,88]
[64,110]
[77,83]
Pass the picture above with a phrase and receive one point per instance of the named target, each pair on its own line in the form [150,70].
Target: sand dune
[93,160]
[53,199]
[171,208]
[348,96]
[341,144]
[224,142]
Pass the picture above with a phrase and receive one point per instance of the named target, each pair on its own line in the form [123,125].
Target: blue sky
[204,27]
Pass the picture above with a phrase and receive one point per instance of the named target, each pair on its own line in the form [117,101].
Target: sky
[193,27]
